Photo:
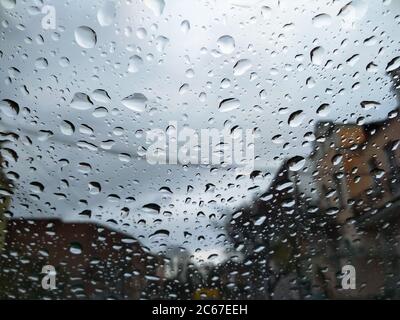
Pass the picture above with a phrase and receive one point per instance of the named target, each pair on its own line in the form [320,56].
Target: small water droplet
[9,107]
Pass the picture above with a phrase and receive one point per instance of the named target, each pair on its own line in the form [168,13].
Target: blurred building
[91,262]
[357,168]
[341,207]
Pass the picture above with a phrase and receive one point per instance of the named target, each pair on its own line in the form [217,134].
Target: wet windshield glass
[199,149]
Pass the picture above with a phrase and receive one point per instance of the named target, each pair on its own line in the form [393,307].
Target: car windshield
[199,149]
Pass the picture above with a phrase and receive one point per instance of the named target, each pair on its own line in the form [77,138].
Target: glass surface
[233,149]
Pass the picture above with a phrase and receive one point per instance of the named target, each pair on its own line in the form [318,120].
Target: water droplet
[37,187]
[161,43]
[323,110]
[67,128]
[368,105]
[352,12]
[8,4]
[184,88]
[85,37]
[332,211]
[393,64]
[296,163]
[378,173]
[310,82]
[94,187]
[337,159]
[152,208]
[317,55]
[322,20]
[9,107]
[135,102]
[101,95]
[372,67]
[296,118]
[225,83]
[41,63]
[162,233]
[229,105]
[64,62]
[141,33]
[241,67]
[106,14]
[75,248]
[135,63]
[226,44]
[353,60]
[260,221]
[81,101]
[185,26]
[266,12]
[100,112]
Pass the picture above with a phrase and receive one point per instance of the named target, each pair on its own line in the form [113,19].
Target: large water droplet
[135,63]
[226,44]
[266,12]
[296,118]
[100,95]
[85,37]
[106,14]
[323,110]
[322,20]
[229,105]
[393,64]
[8,4]
[296,163]
[185,26]
[352,12]
[317,55]
[135,102]
[152,208]
[81,101]
[161,43]
[159,234]
[41,63]
[241,67]
[67,128]
[36,187]
[75,248]
[94,187]
[9,108]
[368,105]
